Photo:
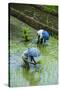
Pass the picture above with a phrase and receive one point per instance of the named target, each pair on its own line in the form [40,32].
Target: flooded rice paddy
[44,73]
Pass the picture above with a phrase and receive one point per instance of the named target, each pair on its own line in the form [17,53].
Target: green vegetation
[25,33]
[51,9]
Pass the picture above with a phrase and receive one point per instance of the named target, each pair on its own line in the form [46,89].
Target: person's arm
[32,59]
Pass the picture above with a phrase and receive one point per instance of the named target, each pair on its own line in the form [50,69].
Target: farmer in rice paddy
[43,36]
[28,56]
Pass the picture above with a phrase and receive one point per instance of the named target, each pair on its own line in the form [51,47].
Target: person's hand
[35,62]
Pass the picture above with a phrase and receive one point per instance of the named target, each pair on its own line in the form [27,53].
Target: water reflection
[32,76]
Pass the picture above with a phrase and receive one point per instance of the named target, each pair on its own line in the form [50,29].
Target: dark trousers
[40,40]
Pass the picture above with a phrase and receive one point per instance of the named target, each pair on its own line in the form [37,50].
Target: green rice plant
[26,33]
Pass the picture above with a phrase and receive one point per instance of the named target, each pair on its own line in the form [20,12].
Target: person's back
[29,54]
[40,32]
[45,35]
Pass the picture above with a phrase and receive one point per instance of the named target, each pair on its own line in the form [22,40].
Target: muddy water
[44,73]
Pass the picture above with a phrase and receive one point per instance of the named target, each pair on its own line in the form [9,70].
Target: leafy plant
[51,9]
[25,33]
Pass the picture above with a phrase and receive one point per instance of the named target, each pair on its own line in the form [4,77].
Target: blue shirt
[45,35]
